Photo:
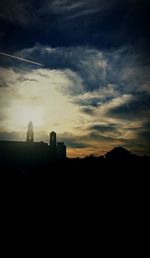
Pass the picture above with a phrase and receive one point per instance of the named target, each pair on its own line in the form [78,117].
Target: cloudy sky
[93,84]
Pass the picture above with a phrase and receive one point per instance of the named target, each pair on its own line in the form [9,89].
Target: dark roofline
[22,142]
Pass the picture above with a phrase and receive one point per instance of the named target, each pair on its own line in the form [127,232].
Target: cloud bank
[94,99]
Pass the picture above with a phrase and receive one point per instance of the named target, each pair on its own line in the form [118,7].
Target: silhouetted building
[53,139]
[52,145]
[61,150]
[57,150]
[37,153]
[30,134]
[23,153]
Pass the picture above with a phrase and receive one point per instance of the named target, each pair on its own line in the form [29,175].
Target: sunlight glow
[39,99]
[21,115]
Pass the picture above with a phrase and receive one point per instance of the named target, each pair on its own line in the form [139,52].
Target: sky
[82,70]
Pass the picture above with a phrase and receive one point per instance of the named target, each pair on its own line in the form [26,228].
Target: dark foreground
[72,179]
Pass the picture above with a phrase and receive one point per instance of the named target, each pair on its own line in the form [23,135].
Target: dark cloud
[87,110]
[86,140]
[92,102]
[74,141]
[96,136]
[124,69]
[137,108]
[100,23]
[102,47]
[74,144]
[27,13]
[143,134]
[103,128]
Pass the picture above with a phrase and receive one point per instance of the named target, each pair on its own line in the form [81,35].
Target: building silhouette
[61,150]
[57,150]
[31,152]
[30,134]
[53,139]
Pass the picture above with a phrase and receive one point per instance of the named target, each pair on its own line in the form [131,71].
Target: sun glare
[21,115]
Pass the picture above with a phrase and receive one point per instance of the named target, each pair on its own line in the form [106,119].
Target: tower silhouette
[53,139]
[30,134]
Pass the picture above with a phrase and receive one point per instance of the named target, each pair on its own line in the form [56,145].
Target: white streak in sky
[22,59]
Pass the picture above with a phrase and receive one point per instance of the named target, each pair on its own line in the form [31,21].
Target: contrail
[22,59]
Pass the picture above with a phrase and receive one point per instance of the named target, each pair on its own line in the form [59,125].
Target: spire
[30,134]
